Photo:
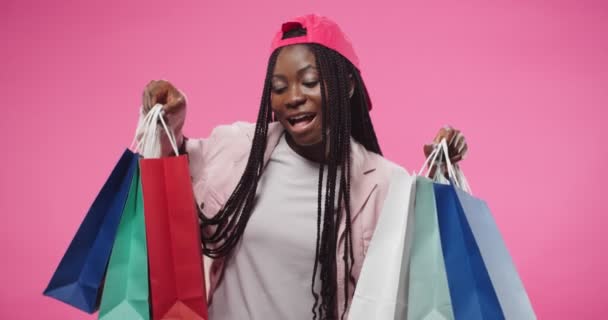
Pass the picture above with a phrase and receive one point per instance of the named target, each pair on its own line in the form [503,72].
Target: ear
[352,86]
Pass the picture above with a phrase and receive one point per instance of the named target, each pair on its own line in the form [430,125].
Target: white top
[269,274]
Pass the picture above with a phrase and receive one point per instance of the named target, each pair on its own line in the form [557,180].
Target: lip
[300,114]
[301,129]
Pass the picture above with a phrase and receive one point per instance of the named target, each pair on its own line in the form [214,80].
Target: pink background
[525,80]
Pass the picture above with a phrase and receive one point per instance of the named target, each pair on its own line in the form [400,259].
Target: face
[296,94]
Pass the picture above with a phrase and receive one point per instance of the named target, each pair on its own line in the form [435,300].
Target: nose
[295,97]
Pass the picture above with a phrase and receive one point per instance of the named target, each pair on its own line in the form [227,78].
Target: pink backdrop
[525,80]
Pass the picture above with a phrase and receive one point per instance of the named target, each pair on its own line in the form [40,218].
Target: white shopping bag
[381,292]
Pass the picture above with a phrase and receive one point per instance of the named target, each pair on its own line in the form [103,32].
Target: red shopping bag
[177,287]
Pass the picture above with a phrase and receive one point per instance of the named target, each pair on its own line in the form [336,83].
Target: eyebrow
[308,67]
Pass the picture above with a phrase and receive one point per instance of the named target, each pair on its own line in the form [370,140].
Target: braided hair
[347,117]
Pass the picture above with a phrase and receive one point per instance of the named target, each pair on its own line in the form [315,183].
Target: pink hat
[320,30]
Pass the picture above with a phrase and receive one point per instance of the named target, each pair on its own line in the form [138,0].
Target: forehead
[293,58]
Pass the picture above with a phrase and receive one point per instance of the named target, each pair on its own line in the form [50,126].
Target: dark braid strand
[343,117]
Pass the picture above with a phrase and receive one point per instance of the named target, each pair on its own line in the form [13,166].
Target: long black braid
[345,117]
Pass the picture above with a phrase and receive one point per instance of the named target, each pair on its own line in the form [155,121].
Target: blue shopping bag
[509,288]
[471,290]
[78,278]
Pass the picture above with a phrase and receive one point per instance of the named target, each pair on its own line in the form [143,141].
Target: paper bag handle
[147,132]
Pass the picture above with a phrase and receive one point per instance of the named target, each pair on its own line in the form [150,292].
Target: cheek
[315,97]
[275,104]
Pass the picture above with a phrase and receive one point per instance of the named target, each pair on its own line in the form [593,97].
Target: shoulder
[234,130]
[241,130]
[383,169]
[388,176]
[372,176]
[224,138]
[227,143]
[377,174]
[387,169]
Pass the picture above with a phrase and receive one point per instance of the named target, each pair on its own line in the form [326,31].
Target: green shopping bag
[125,293]
[429,295]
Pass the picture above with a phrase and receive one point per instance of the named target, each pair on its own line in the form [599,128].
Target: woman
[258,186]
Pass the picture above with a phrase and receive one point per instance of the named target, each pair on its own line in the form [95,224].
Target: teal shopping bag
[429,295]
[126,291]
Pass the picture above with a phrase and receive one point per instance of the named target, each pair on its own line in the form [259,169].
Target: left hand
[457,144]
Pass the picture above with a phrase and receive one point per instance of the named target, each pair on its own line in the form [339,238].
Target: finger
[155,94]
[462,143]
[144,102]
[150,89]
[451,135]
[438,136]
[460,146]
[456,158]
[465,150]
[147,100]
[428,149]
[457,142]
[160,94]
[442,134]
[460,155]
[175,101]
[455,134]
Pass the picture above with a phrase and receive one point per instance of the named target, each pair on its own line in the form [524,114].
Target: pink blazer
[217,163]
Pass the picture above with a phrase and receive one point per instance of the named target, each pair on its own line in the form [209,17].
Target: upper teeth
[299,117]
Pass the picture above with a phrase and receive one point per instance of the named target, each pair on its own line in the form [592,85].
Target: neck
[313,152]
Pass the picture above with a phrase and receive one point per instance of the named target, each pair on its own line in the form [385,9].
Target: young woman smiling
[289,204]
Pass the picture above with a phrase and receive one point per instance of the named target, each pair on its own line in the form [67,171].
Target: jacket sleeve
[213,157]
[211,162]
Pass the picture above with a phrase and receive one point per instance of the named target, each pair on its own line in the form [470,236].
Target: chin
[307,140]
[306,143]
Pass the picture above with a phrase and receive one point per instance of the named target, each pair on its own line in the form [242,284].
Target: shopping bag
[125,292]
[176,264]
[381,291]
[78,278]
[429,295]
[471,290]
[507,284]
[177,285]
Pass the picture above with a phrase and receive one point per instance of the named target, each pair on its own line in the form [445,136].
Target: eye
[311,84]
[278,90]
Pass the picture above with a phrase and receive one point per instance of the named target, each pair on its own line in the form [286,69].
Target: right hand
[163,92]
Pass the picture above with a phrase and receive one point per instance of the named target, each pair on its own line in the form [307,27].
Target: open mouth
[301,120]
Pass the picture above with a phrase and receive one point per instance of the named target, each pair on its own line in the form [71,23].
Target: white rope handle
[169,133]
[454,170]
[446,156]
[462,180]
[147,136]
[430,160]
[140,131]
